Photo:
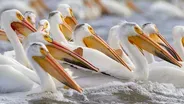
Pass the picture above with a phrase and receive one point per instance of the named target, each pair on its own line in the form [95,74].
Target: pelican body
[91,55]
[162,74]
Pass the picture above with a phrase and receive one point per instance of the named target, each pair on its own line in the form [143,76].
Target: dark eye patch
[144,25]
[78,26]
[52,13]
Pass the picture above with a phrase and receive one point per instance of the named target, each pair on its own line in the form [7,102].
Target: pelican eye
[138,30]
[45,25]
[19,16]
[29,19]
[91,30]
[42,50]
[71,12]
[48,38]
[62,18]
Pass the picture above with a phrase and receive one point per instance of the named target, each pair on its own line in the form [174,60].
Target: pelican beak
[3,36]
[62,53]
[147,44]
[71,21]
[66,30]
[95,42]
[164,44]
[51,66]
[24,28]
[132,6]
[31,23]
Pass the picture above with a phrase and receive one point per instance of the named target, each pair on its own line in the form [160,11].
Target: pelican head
[30,17]
[178,34]
[58,51]
[178,37]
[68,14]
[85,35]
[56,18]
[132,33]
[17,22]
[39,54]
[34,49]
[150,28]
[152,31]
[44,25]
[82,31]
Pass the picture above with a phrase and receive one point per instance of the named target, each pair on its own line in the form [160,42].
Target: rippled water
[115,92]
[112,93]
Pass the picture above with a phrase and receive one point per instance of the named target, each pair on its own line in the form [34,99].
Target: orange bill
[97,43]
[60,52]
[50,65]
[23,27]
[71,21]
[163,43]
[147,44]
[66,30]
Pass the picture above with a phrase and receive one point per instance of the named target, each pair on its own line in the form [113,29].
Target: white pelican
[131,35]
[107,64]
[152,31]
[13,20]
[165,9]
[63,54]
[92,9]
[43,62]
[84,9]
[15,77]
[87,33]
[17,24]
[66,29]
[44,25]
[91,55]
[118,8]
[30,17]
[114,43]
[178,34]
[58,51]
[84,35]
[68,15]
[12,80]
